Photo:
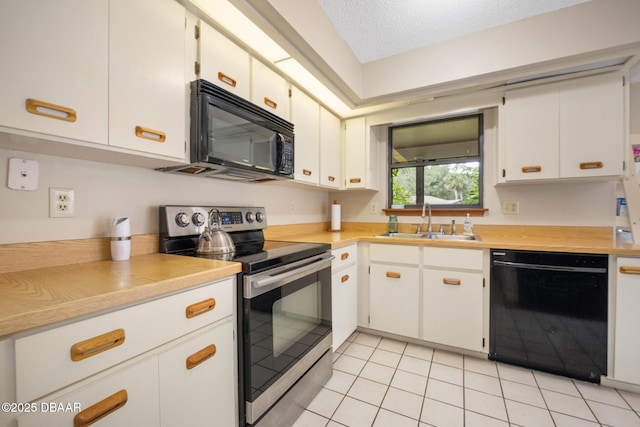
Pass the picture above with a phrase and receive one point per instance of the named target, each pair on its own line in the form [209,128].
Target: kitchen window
[438,162]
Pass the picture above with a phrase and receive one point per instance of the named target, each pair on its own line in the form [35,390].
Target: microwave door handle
[280,149]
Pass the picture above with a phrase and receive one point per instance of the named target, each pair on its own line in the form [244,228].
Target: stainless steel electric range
[284,310]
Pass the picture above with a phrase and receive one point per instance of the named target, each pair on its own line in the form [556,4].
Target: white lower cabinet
[344,293]
[197,379]
[453,295]
[121,397]
[166,362]
[394,289]
[435,294]
[627,319]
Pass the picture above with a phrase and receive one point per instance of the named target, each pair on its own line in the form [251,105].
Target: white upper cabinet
[359,155]
[330,150]
[592,127]
[147,86]
[223,62]
[569,129]
[530,133]
[54,79]
[269,90]
[305,115]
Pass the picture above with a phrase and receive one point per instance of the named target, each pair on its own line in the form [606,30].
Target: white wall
[104,190]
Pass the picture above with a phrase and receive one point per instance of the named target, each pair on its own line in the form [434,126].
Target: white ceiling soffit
[376,29]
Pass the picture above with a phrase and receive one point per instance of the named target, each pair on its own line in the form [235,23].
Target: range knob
[259,216]
[198,219]
[250,217]
[182,219]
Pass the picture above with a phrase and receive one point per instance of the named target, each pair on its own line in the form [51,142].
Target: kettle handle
[214,218]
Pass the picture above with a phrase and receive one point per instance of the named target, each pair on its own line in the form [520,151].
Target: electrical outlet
[373,208]
[510,207]
[62,203]
[292,207]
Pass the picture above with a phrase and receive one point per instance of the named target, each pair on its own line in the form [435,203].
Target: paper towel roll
[121,239]
[335,216]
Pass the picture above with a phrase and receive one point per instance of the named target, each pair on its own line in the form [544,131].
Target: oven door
[287,328]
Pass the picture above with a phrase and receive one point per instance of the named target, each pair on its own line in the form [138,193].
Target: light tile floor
[386,383]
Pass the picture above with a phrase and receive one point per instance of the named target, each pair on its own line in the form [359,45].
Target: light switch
[23,174]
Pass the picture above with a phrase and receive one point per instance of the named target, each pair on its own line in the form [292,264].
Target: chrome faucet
[429,225]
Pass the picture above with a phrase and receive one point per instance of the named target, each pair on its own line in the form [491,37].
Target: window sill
[437,212]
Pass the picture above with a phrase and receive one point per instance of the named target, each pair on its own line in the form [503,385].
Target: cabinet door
[270,90]
[54,76]
[330,150]
[344,304]
[592,127]
[305,115]
[627,338]
[531,134]
[147,85]
[223,62]
[452,308]
[356,153]
[126,397]
[198,382]
[394,299]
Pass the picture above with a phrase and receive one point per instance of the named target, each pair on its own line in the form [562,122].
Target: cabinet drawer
[470,259]
[344,257]
[49,360]
[137,384]
[395,253]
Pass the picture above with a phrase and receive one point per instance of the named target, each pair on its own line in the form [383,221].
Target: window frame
[421,163]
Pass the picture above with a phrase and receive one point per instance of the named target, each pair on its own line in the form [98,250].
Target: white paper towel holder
[335,202]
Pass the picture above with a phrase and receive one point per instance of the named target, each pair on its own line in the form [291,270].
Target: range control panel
[178,220]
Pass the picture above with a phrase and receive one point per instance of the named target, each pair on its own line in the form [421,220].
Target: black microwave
[234,139]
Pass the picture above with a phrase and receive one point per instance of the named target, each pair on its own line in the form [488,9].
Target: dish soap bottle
[468,226]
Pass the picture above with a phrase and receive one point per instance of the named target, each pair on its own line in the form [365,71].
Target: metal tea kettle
[215,241]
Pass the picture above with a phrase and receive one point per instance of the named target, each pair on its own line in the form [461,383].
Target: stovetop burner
[180,227]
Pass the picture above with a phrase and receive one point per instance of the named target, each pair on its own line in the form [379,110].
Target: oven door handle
[265,282]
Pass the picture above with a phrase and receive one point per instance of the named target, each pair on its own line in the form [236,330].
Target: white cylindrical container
[335,216]
[121,239]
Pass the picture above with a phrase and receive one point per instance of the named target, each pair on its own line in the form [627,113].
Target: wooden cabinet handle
[531,169]
[355,180]
[152,134]
[344,256]
[331,178]
[96,345]
[99,410]
[227,79]
[450,281]
[624,269]
[200,356]
[270,103]
[344,278]
[200,308]
[52,111]
[306,172]
[591,165]
[393,275]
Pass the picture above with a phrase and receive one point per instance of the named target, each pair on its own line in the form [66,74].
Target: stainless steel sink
[432,236]
[404,235]
[453,237]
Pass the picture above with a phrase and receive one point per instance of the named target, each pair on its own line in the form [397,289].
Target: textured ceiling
[375,29]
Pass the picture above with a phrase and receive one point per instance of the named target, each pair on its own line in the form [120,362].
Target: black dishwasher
[549,312]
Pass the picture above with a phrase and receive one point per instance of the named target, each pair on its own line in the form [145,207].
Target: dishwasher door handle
[545,267]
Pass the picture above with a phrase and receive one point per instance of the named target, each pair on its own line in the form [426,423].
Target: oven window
[282,326]
[295,316]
